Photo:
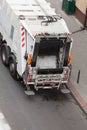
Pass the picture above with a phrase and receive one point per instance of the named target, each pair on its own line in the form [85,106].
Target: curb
[81,102]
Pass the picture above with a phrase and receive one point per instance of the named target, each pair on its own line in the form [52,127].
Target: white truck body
[23,23]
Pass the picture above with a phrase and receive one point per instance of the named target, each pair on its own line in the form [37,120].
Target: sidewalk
[79,51]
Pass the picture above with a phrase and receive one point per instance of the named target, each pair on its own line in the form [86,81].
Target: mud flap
[64,89]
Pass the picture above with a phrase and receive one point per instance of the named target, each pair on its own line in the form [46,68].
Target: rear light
[30,78]
[29,59]
[70,58]
[65,75]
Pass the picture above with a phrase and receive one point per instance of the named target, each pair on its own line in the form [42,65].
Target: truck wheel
[5,51]
[13,66]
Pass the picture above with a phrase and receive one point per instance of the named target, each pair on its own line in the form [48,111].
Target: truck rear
[35,43]
[49,65]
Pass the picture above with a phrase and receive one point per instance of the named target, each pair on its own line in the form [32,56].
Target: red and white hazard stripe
[22,36]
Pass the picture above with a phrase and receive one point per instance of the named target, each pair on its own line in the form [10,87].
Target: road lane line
[3,123]
[1,116]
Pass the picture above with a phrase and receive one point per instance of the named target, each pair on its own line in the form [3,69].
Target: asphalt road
[44,111]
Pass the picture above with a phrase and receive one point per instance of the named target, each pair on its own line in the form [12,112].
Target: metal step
[29,92]
[64,90]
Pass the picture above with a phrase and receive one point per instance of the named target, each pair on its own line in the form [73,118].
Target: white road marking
[3,123]
[7,127]
[1,116]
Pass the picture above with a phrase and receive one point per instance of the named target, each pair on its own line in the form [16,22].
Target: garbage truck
[35,43]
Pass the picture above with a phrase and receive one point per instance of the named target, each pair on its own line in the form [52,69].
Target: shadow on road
[54,95]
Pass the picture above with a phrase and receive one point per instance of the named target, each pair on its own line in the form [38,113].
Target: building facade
[81,7]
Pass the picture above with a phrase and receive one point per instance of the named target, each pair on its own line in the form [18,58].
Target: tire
[1,37]
[5,52]
[13,66]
